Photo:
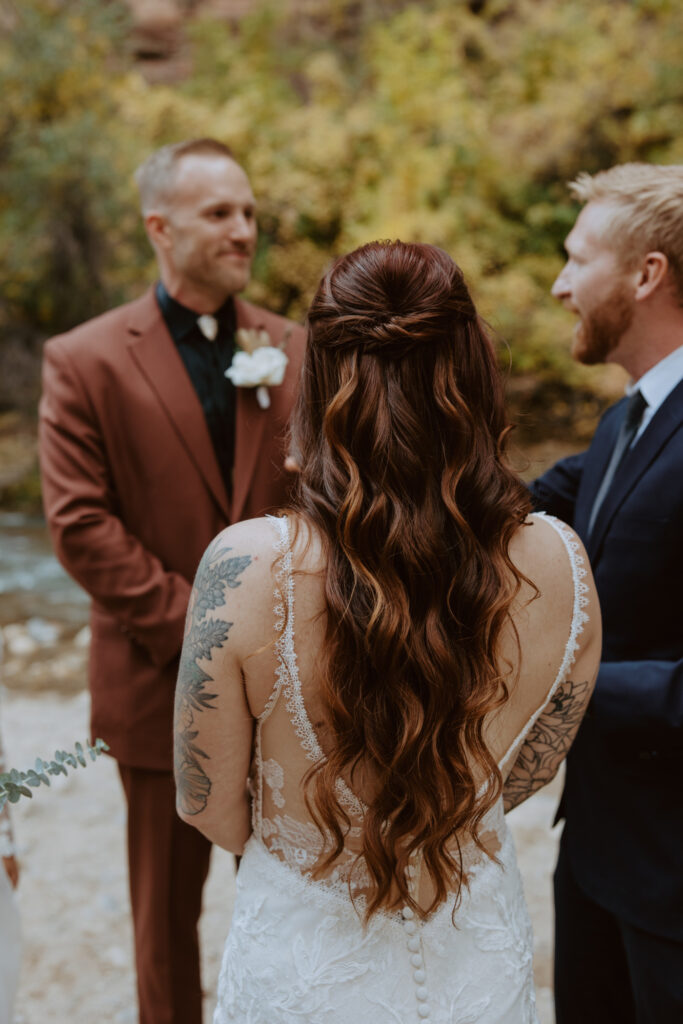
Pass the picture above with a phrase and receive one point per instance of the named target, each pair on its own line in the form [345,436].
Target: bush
[450,121]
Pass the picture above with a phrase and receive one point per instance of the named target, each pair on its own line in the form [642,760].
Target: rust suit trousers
[168,862]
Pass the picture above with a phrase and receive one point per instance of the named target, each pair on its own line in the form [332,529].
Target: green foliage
[449,121]
[67,210]
[15,784]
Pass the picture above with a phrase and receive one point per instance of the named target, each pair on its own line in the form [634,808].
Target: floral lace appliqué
[274,777]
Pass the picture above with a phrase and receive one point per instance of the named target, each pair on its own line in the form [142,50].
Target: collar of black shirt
[181,321]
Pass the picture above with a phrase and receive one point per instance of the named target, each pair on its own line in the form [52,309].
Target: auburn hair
[399,431]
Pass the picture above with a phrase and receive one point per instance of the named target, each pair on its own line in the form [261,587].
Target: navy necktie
[629,428]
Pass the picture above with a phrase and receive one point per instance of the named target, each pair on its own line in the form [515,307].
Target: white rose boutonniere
[257,363]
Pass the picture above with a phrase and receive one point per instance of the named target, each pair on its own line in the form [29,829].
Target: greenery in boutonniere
[15,784]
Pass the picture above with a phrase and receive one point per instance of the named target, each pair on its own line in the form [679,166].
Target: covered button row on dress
[414,944]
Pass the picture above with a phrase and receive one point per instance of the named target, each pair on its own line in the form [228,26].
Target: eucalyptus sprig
[15,784]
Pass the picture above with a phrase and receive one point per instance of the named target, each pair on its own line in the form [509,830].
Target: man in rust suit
[147,451]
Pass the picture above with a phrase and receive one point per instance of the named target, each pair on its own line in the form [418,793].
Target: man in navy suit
[619,877]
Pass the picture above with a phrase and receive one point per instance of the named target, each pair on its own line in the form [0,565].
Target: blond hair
[156,176]
[648,210]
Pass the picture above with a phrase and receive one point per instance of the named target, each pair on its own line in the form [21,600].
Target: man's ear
[651,274]
[157,229]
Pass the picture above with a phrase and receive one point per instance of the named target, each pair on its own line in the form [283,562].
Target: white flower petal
[265,365]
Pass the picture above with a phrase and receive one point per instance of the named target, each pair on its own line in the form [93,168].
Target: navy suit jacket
[623,796]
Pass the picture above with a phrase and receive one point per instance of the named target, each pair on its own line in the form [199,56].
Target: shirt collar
[657,384]
[181,321]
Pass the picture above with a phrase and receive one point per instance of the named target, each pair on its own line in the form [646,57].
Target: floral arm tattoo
[204,633]
[547,744]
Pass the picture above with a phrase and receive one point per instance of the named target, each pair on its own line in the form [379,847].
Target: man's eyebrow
[217,204]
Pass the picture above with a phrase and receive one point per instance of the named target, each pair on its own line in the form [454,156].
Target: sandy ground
[77,940]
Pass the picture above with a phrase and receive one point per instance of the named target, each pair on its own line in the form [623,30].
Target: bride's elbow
[228,829]
[233,843]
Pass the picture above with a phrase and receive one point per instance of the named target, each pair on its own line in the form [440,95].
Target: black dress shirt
[206,362]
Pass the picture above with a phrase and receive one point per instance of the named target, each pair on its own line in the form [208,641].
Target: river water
[32,582]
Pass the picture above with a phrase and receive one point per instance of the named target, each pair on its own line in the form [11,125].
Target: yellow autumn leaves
[446,121]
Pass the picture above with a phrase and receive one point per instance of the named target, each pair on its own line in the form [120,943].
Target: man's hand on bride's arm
[213,725]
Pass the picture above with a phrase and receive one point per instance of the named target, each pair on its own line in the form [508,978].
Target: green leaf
[16,792]
[12,783]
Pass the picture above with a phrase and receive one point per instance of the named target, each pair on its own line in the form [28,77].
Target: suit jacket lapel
[157,357]
[648,446]
[250,423]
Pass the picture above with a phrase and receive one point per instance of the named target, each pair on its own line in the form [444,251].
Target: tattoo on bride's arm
[204,634]
[547,744]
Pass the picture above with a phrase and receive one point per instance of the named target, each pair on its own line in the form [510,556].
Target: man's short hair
[648,214]
[155,177]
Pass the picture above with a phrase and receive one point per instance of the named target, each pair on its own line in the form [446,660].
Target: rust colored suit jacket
[133,495]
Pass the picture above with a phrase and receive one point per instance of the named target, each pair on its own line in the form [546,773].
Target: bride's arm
[549,739]
[213,725]
[548,742]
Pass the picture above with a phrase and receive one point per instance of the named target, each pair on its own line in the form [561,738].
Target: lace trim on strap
[579,572]
[579,618]
[288,669]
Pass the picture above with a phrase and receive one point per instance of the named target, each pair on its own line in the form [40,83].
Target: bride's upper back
[282,649]
[533,642]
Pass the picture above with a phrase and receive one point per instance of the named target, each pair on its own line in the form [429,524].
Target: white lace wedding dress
[297,951]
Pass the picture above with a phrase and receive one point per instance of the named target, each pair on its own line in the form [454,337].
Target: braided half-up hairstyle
[399,433]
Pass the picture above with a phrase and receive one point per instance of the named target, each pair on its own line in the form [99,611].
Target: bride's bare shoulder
[265,539]
[551,555]
[251,536]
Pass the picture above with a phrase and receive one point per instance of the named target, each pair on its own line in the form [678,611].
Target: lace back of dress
[286,747]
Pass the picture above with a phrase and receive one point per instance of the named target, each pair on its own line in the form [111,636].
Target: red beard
[600,331]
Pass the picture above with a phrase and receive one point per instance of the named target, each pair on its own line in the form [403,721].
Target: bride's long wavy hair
[399,431]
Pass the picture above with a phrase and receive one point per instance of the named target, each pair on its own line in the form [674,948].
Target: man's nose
[560,288]
[241,227]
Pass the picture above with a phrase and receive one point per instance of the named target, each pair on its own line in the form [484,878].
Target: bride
[429,655]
